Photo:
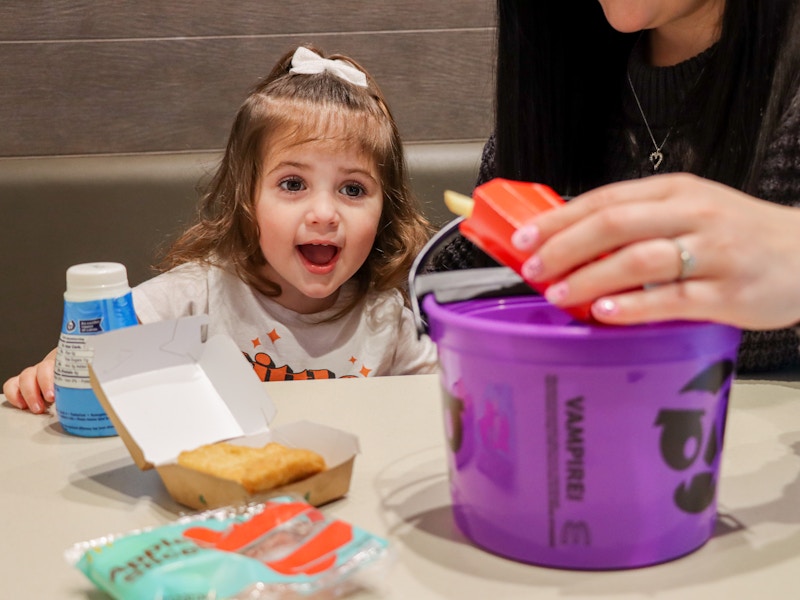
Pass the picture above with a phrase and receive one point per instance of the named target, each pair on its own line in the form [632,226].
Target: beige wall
[93,76]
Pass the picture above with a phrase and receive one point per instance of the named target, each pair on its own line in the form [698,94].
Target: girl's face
[318,205]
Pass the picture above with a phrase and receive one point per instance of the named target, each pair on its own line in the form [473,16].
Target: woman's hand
[742,266]
[33,388]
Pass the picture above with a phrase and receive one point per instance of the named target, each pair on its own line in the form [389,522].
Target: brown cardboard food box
[168,389]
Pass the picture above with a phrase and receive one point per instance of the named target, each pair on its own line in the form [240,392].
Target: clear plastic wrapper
[281,549]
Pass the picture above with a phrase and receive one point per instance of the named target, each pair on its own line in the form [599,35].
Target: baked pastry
[257,469]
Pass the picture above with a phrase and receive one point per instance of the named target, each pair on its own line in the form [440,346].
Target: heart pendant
[656,157]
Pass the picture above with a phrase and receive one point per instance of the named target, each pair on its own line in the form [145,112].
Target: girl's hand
[745,267]
[33,388]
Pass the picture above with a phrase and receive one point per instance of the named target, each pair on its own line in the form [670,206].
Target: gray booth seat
[60,211]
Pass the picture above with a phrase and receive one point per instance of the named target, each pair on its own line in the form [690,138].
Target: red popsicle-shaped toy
[502,206]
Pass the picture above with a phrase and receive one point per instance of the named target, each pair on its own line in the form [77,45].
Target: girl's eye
[353,190]
[292,184]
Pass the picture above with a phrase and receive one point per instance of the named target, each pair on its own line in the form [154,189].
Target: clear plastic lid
[96,281]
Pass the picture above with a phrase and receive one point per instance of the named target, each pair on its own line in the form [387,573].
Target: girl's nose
[323,210]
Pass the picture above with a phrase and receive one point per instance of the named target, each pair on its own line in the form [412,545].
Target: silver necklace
[656,156]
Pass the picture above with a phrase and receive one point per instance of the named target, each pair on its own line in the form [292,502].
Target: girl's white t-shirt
[377,337]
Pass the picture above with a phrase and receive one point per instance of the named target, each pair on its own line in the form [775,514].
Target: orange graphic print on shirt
[267,370]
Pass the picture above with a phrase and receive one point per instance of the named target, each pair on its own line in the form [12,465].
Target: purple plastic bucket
[581,446]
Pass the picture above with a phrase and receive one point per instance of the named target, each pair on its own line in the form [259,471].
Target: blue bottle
[98,299]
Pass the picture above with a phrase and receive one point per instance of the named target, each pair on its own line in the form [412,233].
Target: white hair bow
[308,62]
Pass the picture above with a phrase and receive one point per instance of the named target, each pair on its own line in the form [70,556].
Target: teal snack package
[283,548]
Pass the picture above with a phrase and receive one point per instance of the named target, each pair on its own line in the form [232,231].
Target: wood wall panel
[110,19]
[106,76]
[153,95]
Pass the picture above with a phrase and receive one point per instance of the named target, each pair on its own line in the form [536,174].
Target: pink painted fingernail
[532,267]
[557,292]
[525,237]
[605,307]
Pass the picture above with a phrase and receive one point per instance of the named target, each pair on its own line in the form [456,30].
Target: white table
[57,490]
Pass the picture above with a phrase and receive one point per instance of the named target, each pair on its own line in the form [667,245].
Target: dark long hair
[560,76]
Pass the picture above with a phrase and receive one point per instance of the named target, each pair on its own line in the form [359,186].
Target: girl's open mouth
[320,258]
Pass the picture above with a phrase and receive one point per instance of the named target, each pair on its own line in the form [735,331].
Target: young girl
[304,238]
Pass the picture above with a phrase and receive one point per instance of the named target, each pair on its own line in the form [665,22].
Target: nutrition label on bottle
[72,362]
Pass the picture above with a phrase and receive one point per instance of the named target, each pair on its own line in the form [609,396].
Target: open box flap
[172,391]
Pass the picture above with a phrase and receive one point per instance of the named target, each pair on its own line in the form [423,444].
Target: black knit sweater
[661,91]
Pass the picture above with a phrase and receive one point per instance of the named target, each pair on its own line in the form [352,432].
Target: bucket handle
[457,285]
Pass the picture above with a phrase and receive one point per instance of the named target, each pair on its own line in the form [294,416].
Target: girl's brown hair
[295,108]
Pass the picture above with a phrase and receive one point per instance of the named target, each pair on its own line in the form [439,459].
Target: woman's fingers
[610,217]
[648,189]
[680,300]
[603,233]
[646,263]
[669,247]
